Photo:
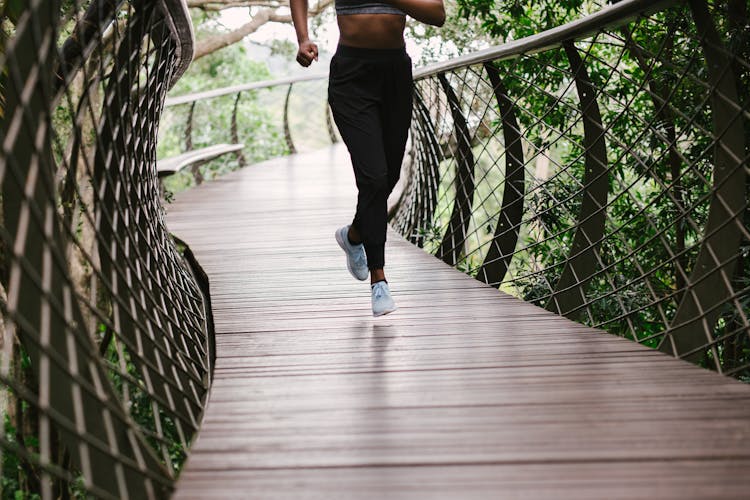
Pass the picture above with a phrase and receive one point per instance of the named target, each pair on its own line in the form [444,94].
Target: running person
[370,93]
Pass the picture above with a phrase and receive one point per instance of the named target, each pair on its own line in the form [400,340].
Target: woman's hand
[307,53]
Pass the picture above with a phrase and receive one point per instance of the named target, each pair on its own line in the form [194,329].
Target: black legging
[370,92]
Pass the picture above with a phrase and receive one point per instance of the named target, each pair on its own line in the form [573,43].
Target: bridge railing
[105,361]
[269,118]
[599,170]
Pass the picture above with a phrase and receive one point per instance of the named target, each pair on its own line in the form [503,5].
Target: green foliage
[284,48]
[639,173]
[20,455]
[12,9]
[11,466]
[514,19]
[258,124]
[229,66]
[459,35]
[130,385]
[14,480]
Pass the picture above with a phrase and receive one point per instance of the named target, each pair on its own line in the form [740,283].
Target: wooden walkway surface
[464,392]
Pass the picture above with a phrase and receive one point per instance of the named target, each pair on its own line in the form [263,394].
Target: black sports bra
[347,7]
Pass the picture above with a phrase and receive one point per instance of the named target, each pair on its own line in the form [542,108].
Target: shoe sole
[348,265]
[383,313]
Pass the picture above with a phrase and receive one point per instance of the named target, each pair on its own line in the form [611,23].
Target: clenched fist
[307,53]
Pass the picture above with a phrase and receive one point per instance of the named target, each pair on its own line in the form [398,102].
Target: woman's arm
[308,51]
[425,11]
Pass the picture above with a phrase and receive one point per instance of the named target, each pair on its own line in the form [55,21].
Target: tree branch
[218,5]
[216,42]
[263,16]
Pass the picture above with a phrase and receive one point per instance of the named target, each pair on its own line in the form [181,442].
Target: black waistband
[362,53]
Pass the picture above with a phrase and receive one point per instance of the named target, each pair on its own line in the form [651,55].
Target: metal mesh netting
[600,173]
[105,356]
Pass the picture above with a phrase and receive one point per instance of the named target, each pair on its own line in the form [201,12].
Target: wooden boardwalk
[464,392]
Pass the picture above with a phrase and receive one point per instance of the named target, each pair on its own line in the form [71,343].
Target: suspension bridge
[567,248]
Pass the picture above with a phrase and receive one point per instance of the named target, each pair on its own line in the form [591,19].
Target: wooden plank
[464,392]
[678,480]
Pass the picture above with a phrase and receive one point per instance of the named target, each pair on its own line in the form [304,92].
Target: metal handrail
[614,15]
[236,89]
[176,13]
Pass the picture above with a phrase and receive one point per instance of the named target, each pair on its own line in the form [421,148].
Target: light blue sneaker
[356,260]
[382,302]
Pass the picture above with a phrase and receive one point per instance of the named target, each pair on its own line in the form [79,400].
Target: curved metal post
[235,134]
[426,187]
[189,128]
[709,284]
[504,242]
[287,133]
[454,238]
[570,292]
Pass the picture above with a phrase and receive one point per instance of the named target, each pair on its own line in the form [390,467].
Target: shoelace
[378,290]
[359,257]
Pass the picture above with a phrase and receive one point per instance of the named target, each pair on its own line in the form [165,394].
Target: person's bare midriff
[372,31]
